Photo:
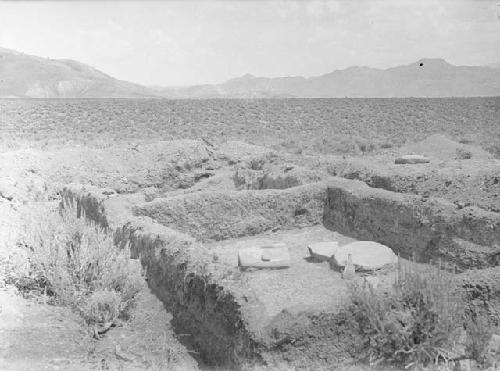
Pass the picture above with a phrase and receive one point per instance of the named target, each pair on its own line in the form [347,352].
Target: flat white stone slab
[412,159]
[273,256]
[366,255]
[323,251]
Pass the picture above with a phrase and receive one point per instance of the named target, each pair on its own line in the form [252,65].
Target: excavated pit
[188,245]
[307,285]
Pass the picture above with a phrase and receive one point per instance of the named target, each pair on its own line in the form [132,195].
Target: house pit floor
[306,285]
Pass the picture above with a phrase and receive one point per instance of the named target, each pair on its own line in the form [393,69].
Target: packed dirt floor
[286,288]
[35,335]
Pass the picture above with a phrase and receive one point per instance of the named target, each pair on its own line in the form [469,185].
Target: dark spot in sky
[421,64]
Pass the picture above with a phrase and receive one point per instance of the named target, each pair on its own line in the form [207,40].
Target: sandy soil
[37,336]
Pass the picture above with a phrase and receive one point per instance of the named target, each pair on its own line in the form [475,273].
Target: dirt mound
[222,215]
[425,228]
[440,147]
[275,177]
[158,168]
[465,183]
[235,151]
[482,288]
[166,165]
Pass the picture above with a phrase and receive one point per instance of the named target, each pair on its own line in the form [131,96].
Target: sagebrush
[347,125]
[421,319]
[76,262]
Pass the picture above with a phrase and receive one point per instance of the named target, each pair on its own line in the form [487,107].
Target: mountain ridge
[27,76]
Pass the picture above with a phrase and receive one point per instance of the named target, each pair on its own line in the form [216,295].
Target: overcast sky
[191,42]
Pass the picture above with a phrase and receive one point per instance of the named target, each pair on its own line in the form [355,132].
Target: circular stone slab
[366,255]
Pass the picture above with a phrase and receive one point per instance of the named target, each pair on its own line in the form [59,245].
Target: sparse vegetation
[76,263]
[420,320]
[337,126]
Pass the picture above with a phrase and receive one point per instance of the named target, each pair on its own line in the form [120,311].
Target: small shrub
[365,145]
[102,306]
[479,331]
[338,145]
[257,163]
[386,145]
[77,262]
[494,150]
[415,323]
[462,154]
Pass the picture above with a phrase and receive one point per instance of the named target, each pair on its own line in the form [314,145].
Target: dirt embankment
[209,301]
[465,183]
[183,274]
[222,215]
[411,225]
[207,298]
[462,174]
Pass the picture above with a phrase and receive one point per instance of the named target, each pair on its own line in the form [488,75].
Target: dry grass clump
[103,306]
[76,262]
[421,320]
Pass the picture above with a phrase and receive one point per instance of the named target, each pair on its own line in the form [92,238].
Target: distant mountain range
[26,76]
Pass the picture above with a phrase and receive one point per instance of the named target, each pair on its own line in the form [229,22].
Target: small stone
[273,253]
[412,159]
[108,192]
[264,257]
[323,251]
[102,328]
